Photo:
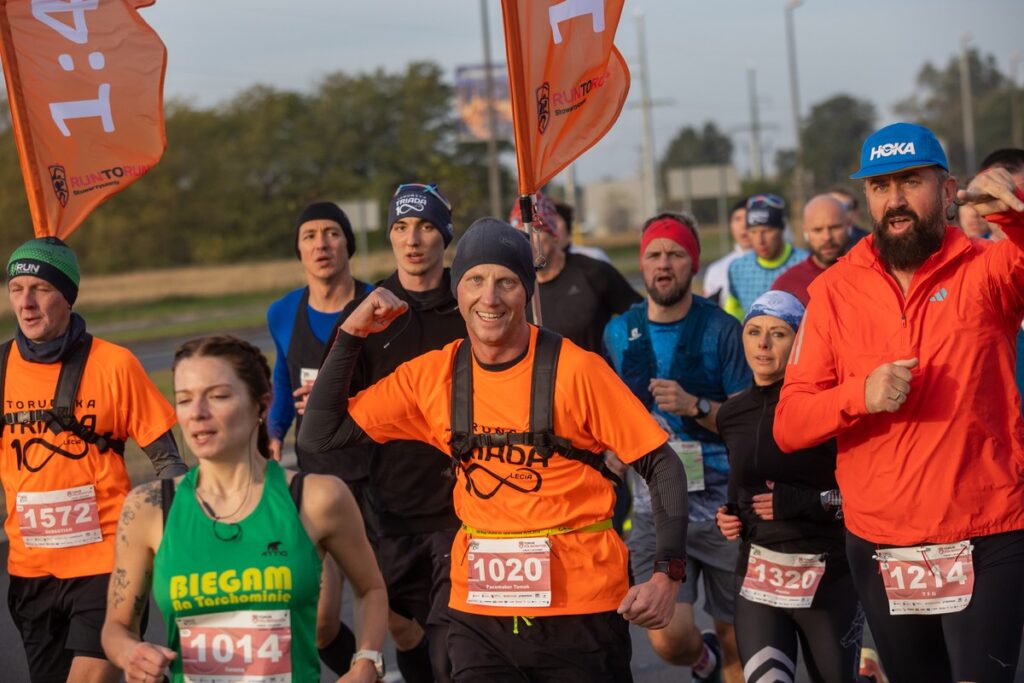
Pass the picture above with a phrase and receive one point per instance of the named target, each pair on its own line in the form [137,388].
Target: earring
[261,420]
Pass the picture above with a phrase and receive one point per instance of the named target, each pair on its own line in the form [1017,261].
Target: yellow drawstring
[515,624]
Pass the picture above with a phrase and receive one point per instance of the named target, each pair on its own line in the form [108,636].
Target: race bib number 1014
[248,645]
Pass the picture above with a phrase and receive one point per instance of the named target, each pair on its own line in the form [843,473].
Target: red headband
[672,229]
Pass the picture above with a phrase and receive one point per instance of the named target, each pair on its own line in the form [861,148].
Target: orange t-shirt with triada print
[514,489]
[69,494]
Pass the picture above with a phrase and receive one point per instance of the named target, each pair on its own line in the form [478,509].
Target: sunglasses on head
[429,189]
[771,200]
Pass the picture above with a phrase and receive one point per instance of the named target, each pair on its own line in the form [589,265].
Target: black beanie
[416,200]
[491,240]
[326,211]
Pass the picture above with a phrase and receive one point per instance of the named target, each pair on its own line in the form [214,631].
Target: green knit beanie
[47,258]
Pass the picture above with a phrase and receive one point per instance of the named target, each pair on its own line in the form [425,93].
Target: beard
[672,295]
[911,249]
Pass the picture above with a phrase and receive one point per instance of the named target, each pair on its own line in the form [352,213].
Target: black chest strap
[541,437]
[60,416]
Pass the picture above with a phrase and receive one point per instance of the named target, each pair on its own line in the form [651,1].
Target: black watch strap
[675,568]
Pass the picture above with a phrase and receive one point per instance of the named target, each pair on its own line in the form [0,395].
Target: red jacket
[947,466]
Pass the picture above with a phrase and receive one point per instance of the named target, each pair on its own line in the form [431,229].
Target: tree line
[235,176]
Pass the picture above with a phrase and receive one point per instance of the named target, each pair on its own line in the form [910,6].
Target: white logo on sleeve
[891,148]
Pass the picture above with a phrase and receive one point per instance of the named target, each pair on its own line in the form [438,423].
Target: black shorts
[417,572]
[59,619]
[583,648]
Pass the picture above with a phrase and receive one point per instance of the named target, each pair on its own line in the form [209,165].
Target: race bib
[307,376]
[782,579]
[249,645]
[692,457]
[509,572]
[927,579]
[59,519]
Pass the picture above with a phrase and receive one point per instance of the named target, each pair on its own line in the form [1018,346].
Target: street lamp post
[794,93]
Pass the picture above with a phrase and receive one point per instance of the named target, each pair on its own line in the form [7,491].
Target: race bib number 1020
[58,519]
[927,579]
[509,572]
[248,645]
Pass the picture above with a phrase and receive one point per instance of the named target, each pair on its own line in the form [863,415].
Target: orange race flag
[568,81]
[85,82]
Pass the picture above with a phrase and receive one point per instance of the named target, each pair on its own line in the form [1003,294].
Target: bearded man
[682,356]
[906,357]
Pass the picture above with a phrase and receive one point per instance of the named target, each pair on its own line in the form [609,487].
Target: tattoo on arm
[153,494]
[118,586]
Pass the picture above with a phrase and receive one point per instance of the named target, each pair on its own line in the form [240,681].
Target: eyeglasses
[428,189]
[771,200]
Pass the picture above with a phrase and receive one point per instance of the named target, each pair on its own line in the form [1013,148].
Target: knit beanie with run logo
[50,259]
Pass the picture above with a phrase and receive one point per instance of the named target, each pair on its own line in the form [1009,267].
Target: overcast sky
[699,53]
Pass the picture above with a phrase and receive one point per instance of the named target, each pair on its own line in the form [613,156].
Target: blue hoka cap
[897,148]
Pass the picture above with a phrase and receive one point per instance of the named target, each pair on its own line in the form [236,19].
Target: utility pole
[794,93]
[493,172]
[650,179]
[756,159]
[1015,113]
[966,106]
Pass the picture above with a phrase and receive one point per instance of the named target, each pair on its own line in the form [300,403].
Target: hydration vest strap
[295,489]
[167,490]
[542,435]
[61,414]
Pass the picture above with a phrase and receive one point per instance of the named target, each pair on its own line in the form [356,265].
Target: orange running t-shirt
[514,489]
[115,396]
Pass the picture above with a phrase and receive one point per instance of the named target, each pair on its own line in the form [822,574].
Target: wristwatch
[675,568]
[375,656]
[703,408]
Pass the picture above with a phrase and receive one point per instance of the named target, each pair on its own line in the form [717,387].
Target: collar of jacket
[954,245]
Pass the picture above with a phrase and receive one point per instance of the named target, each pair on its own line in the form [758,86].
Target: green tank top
[240,607]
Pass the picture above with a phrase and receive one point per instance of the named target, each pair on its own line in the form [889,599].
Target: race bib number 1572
[58,519]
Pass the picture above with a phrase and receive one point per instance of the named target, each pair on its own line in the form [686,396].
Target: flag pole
[526,209]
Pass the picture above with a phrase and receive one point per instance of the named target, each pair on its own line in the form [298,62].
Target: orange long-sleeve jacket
[948,465]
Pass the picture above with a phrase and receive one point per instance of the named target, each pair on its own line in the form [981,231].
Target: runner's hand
[650,604]
[362,672]
[672,398]
[302,394]
[887,386]
[275,449]
[763,506]
[374,314]
[148,663]
[991,191]
[729,525]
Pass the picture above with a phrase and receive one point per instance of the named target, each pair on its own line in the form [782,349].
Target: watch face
[703,407]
